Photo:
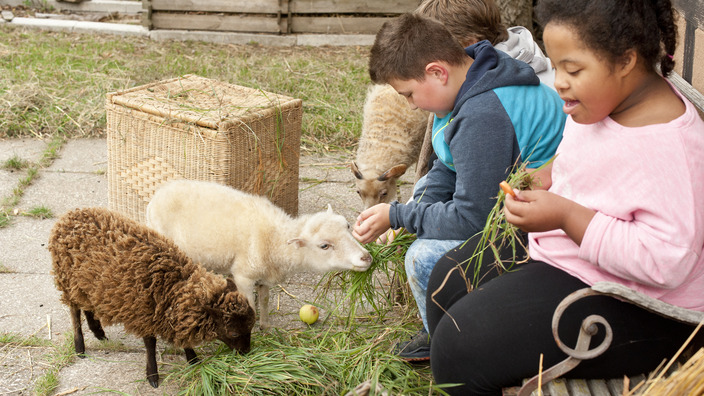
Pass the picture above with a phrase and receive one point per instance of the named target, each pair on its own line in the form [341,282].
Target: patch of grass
[498,234]
[61,356]
[22,341]
[63,92]
[4,218]
[5,270]
[39,212]
[7,204]
[15,163]
[320,361]
[377,288]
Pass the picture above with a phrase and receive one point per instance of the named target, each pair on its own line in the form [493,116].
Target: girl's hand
[372,223]
[542,178]
[539,210]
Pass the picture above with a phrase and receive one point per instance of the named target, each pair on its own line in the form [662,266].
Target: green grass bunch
[314,361]
[498,234]
[379,287]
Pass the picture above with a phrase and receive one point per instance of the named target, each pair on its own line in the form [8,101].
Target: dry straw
[685,381]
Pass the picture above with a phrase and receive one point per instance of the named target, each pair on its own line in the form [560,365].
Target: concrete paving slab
[314,40]
[20,367]
[273,40]
[64,191]
[60,25]
[8,181]
[28,149]
[28,302]
[23,246]
[82,155]
[109,6]
[23,149]
[76,179]
[118,372]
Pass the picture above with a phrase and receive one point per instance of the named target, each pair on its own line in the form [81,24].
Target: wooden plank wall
[274,16]
[690,49]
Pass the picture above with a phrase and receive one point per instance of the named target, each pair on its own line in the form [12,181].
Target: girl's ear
[437,70]
[627,62]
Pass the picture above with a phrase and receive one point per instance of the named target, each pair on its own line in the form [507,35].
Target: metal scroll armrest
[589,327]
[581,352]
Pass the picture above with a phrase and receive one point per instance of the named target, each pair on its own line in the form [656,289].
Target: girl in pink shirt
[621,205]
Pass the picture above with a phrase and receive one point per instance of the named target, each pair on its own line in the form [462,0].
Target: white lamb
[392,135]
[232,232]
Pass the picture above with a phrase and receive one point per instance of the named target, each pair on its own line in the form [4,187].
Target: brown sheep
[116,270]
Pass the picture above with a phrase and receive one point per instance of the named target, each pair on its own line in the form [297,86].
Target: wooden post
[147,14]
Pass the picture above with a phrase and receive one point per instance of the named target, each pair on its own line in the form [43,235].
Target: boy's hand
[389,236]
[372,223]
[539,210]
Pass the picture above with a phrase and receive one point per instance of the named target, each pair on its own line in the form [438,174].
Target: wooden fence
[689,57]
[274,16]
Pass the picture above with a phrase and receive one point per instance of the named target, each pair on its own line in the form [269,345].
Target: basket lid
[203,101]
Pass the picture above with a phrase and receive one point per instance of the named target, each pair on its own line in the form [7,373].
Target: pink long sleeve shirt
[646,185]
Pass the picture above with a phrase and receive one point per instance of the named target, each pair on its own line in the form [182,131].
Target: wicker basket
[201,129]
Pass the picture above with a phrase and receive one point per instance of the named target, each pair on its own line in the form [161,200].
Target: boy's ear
[437,70]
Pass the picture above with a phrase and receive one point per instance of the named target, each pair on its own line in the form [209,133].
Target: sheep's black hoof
[191,356]
[153,380]
[82,355]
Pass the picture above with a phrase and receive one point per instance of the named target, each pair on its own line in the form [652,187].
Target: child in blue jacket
[491,112]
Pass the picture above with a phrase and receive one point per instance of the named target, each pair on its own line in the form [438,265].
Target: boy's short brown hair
[469,21]
[404,46]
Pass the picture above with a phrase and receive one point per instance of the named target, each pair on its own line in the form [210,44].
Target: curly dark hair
[611,27]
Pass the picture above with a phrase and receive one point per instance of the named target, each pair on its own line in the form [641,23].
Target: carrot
[507,189]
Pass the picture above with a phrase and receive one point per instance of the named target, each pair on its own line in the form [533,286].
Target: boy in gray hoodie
[491,112]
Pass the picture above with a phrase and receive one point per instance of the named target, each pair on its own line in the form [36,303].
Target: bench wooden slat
[598,387]
[578,387]
[615,386]
[581,387]
[558,387]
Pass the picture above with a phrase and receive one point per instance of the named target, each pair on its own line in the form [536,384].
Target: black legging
[493,336]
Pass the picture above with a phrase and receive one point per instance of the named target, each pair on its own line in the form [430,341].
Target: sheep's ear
[216,313]
[299,242]
[394,171]
[355,171]
[330,209]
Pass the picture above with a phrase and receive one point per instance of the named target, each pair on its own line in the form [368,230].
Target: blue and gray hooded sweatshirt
[502,115]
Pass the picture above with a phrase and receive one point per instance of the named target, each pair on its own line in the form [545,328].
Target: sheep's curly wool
[127,273]
[392,133]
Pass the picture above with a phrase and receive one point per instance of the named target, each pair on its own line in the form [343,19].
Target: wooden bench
[692,12]
[577,387]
